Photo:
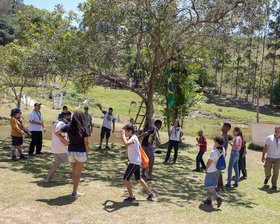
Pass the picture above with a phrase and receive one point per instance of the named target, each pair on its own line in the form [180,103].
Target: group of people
[70,144]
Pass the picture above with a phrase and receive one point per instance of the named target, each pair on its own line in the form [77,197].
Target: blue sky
[50,4]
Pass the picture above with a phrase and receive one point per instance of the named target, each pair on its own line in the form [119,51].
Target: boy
[59,150]
[88,119]
[134,156]
[202,143]
[106,126]
[225,129]
[212,173]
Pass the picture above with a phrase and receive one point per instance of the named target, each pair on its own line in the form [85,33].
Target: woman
[78,146]
[234,156]
[175,137]
[17,133]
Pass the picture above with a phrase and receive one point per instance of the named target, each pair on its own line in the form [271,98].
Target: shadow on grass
[176,184]
[60,201]
[208,209]
[112,206]
[268,190]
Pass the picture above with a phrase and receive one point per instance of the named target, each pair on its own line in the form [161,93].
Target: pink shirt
[237,143]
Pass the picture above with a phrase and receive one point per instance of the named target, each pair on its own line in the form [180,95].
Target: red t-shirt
[202,140]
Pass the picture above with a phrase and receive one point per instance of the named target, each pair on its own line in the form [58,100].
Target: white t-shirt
[108,119]
[175,136]
[133,151]
[273,144]
[37,117]
[57,146]
[214,157]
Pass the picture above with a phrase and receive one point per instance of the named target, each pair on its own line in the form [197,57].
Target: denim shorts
[80,157]
[211,179]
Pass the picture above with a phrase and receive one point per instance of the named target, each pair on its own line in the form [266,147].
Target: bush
[255,147]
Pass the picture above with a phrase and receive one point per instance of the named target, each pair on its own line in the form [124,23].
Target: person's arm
[209,162]
[143,135]
[245,148]
[265,148]
[181,135]
[58,133]
[26,130]
[100,107]
[43,126]
[32,121]
[114,126]
[15,126]
[124,140]
[170,131]
[86,145]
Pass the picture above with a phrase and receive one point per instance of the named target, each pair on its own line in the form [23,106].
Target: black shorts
[17,141]
[106,131]
[132,169]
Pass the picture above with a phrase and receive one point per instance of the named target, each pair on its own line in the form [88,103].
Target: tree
[162,32]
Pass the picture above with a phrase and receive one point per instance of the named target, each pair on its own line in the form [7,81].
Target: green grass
[25,198]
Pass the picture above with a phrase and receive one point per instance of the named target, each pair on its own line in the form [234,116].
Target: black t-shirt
[76,143]
[149,139]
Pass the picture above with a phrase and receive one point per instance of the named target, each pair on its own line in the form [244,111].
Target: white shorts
[80,157]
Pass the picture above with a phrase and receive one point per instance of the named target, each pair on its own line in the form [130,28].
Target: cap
[37,104]
[18,110]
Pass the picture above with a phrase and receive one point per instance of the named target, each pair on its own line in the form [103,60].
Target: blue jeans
[233,163]
[199,160]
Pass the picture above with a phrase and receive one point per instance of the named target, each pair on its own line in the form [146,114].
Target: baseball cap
[18,110]
[37,104]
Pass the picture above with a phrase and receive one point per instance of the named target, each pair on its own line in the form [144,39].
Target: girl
[234,156]
[175,137]
[17,133]
[78,146]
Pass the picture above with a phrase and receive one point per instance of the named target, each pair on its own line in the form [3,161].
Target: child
[134,156]
[242,161]
[225,129]
[234,157]
[202,143]
[175,137]
[212,173]
[134,125]
[17,133]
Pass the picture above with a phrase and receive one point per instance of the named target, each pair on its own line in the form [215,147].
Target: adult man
[64,108]
[272,149]
[88,119]
[106,126]
[36,126]
[59,149]
[148,146]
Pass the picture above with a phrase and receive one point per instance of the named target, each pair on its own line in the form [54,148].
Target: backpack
[221,163]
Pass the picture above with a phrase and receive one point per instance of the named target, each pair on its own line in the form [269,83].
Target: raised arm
[124,140]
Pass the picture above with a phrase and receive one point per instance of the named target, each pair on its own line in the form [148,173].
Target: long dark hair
[175,121]
[77,124]
[238,130]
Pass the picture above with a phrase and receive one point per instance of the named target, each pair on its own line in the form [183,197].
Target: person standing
[64,108]
[148,146]
[175,137]
[18,131]
[36,127]
[106,126]
[242,161]
[132,122]
[234,157]
[59,148]
[225,129]
[271,158]
[134,156]
[202,144]
[88,119]
[78,146]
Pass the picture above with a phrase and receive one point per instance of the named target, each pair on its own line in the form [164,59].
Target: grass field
[25,198]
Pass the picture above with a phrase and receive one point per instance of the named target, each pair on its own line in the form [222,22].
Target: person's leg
[230,165]
[244,171]
[39,142]
[77,176]
[129,188]
[108,133]
[19,150]
[32,143]
[236,170]
[220,182]
[151,165]
[144,185]
[275,175]
[52,171]
[198,158]
[176,147]
[170,145]
[201,160]
[267,168]
[73,165]
[102,135]
[13,151]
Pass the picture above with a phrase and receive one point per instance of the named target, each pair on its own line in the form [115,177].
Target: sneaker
[39,153]
[77,194]
[203,168]
[265,182]
[207,202]
[219,202]
[99,148]
[107,147]
[243,178]
[227,185]
[14,158]
[274,188]
[129,199]
[235,185]
[151,195]
[22,157]
[165,163]
[196,170]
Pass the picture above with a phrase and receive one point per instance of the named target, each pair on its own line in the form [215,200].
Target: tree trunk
[237,74]
[216,71]
[149,99]
[273,70]
[249,66]
[222,72]
[255,76]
